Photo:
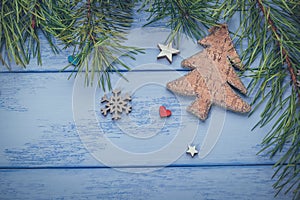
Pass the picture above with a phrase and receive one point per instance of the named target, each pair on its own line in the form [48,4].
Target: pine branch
[181,16]
[282,48]
[96,33]
[272,35]
[95,30]
[21,25]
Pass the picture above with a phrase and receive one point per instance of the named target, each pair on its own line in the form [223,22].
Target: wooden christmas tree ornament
[212,75]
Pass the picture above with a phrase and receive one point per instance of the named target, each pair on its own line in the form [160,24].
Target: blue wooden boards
[168,183]
[38,116]
[40,146]
[55,143]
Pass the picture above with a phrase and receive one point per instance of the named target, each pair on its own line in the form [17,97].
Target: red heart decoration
[163,112]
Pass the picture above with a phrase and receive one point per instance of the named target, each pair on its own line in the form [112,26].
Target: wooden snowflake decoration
[116,104]
[212,75]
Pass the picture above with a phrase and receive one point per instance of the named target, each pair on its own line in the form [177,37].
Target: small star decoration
[167,51]
[192,150]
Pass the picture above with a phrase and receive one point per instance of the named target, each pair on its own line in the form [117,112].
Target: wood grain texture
[44,156]
[38,128]
[214,183]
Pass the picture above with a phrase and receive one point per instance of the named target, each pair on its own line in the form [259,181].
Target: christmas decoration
[167,51]
[192,150]
[212,73]
[116,104]
[268,35]
[73,60]
[88,29]
[163,112]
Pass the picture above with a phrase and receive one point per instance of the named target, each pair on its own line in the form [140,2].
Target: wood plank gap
[157,166]
[74,71]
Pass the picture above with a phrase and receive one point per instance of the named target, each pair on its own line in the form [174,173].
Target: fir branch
[95,26]
[95,30]
[22,23]
[284,135]
[190,17]
[272,36]
[96,33]
[282,48]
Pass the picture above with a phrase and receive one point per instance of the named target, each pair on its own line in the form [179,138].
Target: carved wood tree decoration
[212,75]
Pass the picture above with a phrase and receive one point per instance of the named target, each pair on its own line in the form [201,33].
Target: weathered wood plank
[38,128]
[50,147]
[168,183]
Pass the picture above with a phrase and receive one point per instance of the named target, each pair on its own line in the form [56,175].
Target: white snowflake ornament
[116,104]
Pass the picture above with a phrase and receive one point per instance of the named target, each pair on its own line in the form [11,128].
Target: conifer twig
[282,48]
